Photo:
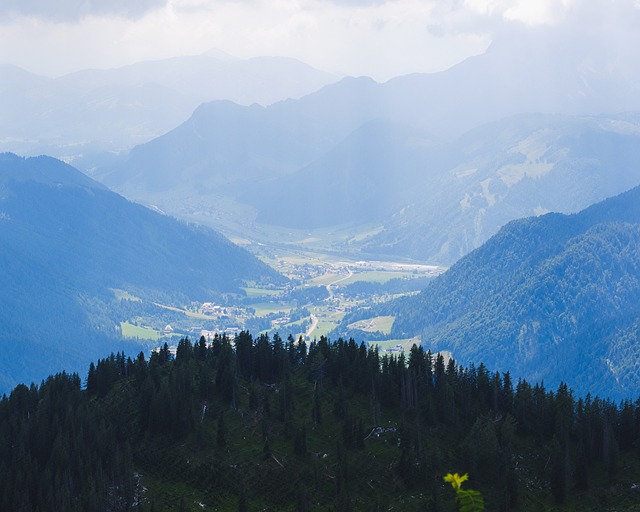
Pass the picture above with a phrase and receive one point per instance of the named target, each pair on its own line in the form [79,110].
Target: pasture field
[252,293]
[379,323]
[135,331]
[376,276]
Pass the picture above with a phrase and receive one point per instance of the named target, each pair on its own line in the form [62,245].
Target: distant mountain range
[100,112]
[67,241]
[521,166]
[436,163]
[551,298]
[431,201]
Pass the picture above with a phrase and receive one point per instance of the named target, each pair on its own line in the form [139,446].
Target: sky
[377,38]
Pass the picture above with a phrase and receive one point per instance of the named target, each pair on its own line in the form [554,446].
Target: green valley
[322,288]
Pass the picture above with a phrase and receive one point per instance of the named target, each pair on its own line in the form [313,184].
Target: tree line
[261,422]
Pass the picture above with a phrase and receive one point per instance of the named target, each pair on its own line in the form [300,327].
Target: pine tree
[221,434]
[92,383]
[316,412]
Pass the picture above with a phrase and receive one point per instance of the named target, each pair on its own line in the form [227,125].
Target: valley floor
[322,288]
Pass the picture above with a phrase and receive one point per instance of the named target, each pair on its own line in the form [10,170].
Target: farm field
[379,323]
[134,331]
[323,288]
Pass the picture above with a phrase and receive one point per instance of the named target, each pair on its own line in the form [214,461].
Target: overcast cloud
[75,10]
[379,38]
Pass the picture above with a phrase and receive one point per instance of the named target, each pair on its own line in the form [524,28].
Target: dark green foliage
[221,432]
[316,414]
[152,425]
[551,297]
[469,501]
[300,442]
[64,454]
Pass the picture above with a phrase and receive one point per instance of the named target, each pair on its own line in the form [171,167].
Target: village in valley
[320,292]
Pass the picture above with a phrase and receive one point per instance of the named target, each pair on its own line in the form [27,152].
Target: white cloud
[374,37]
[74,10]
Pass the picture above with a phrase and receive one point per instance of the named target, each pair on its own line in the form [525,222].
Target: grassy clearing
[265,308]
[379,323]
[325,279]
[135,331]
[327,321]
[312,258]
[125,295]
[191,314]
[309,240]
[376,276]
[406,343]
[366,234]
[240,241]
[260,292]
[323,328]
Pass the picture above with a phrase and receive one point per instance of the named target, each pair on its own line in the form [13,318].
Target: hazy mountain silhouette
[89,114]
[530,126]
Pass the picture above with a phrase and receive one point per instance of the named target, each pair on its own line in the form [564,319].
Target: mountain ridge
[545,298]
[89,115]
[69,241]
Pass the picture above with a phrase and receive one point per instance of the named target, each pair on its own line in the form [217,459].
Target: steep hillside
[263,424]
[551,298]
[67,241]
[517,167]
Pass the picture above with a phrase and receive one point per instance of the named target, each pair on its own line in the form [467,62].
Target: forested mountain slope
[551,298]
[67,241]
[266,424]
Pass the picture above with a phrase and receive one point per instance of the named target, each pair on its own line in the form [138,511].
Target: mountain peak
[44,170]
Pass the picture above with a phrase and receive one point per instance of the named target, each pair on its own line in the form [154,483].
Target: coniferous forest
[263,423]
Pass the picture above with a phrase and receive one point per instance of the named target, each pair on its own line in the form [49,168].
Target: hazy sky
[379,38]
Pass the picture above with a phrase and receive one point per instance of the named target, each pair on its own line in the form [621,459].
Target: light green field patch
[366,234]
[376,276]
[135,331]
[403,344]
[191,314]
[265,308]
[297,260]
[534,148]
[379,323]
[325,279]
[125,295]
[513,174]
[240,241]
[324,327]
[260,292]
[328,320]
[309,240]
